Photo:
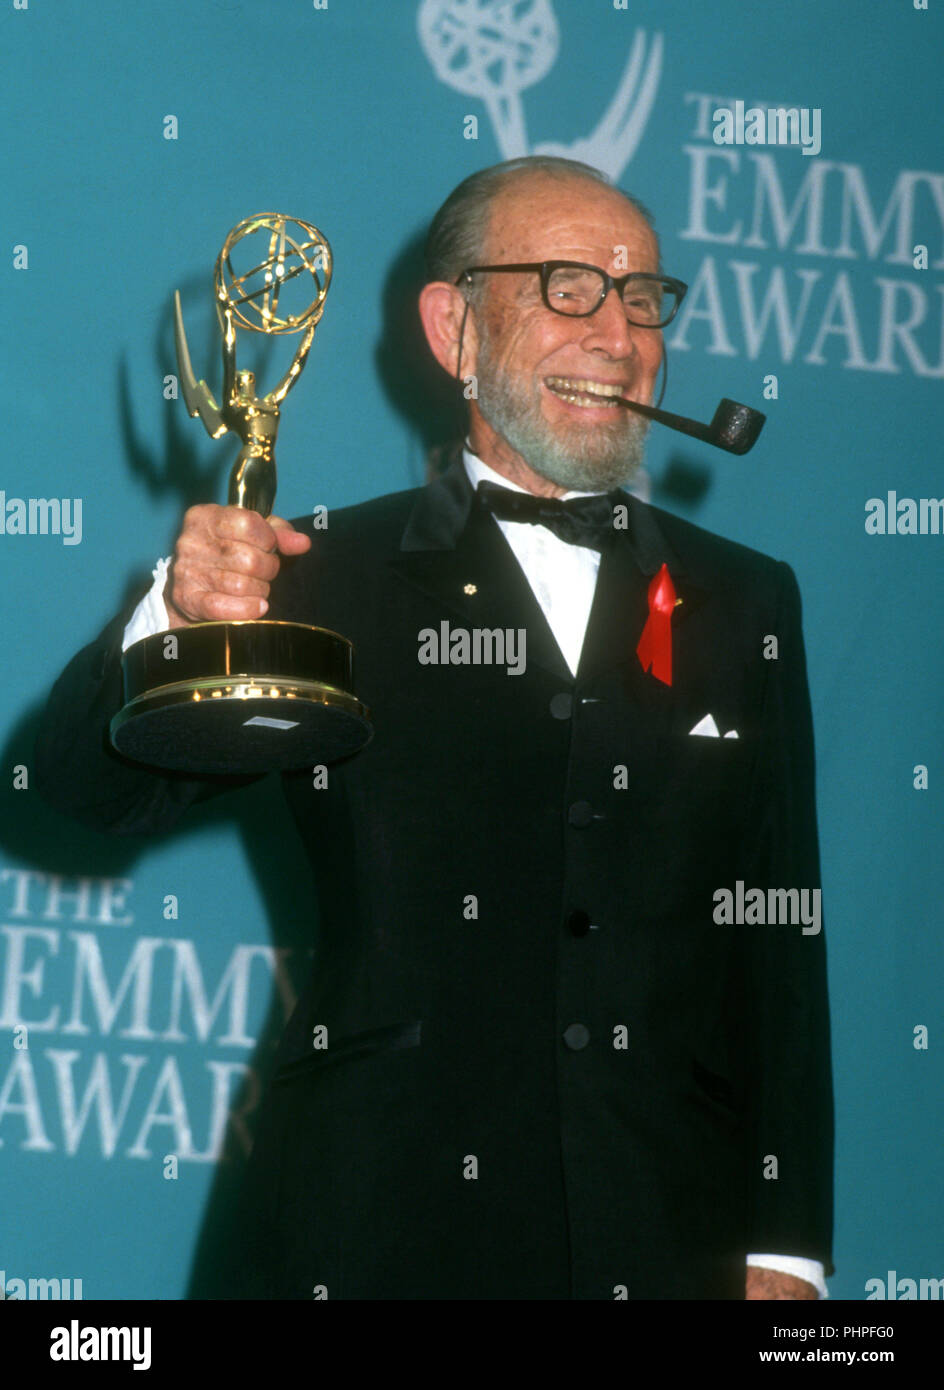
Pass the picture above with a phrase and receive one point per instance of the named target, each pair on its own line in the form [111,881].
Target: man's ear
[441,307]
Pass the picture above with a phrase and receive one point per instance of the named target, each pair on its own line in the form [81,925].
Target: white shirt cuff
[810,1270]
[150,616]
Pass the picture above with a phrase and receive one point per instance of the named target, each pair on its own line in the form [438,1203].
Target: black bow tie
[579,521]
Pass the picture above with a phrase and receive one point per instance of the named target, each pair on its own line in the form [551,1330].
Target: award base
[239,697]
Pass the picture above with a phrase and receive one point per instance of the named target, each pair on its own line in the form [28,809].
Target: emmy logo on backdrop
[492,50]
[247,697]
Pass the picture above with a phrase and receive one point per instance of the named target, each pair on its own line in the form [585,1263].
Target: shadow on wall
[684,483]
[187,464]
[415,385]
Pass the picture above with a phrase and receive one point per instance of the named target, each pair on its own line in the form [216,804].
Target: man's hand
[770,1283]
[224,561]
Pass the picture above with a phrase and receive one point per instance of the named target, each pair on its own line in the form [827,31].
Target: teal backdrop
[135,136]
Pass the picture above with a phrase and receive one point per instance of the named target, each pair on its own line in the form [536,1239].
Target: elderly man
[553,1069]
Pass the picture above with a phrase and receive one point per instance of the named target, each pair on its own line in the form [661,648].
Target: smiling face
[534,420]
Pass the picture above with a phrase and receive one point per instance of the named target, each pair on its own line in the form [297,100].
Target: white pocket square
[707,728]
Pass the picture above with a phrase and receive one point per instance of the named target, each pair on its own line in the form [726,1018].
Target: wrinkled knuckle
[234,554]
[241,585]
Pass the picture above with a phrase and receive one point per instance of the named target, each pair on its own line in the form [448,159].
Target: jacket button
[580,813]
[579,922]
[562,706]
[576,1036]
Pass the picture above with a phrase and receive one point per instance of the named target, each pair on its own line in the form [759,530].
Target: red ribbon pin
[655,644]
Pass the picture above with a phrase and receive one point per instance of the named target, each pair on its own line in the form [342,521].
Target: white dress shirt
[563,578]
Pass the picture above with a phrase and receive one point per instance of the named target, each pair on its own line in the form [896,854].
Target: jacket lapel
[457,554]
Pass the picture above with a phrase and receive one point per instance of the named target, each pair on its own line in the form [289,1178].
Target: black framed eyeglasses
[577,290]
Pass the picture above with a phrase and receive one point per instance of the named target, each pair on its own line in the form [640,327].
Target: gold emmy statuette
[244,697]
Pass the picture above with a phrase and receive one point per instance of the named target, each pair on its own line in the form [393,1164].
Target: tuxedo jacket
[549,1072]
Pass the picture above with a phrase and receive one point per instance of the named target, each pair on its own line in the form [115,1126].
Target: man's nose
[608,329]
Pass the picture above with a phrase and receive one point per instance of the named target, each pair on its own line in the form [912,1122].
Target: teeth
[582,391]
[586,400]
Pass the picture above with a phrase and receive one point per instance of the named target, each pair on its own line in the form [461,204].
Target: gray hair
[458,232]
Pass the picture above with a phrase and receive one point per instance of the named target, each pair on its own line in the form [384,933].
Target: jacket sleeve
[789,1043]
[77,771]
